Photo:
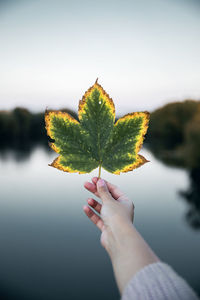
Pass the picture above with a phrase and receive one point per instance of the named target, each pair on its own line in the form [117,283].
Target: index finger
[90,186]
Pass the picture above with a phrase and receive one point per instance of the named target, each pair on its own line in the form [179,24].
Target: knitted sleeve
[160,282]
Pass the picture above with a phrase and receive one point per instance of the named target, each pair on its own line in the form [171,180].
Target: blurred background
[146,55]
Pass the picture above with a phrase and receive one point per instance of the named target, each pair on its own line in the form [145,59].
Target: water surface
[50,250]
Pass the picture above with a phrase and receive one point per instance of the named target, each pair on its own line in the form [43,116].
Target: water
[50,250]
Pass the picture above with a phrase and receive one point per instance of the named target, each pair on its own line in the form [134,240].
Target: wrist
[120,235]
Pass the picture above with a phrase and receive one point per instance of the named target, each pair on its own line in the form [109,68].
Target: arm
[128,251]
[138,271]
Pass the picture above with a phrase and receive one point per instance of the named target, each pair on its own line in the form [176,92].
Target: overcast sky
[145,52]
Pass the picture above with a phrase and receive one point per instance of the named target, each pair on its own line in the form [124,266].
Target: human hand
[113,216]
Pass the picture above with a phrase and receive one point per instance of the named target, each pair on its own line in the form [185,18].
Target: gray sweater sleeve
[160,282]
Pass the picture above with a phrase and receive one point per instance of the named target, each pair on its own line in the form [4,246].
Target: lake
[50,250]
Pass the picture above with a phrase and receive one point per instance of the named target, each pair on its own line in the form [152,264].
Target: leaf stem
[99,176]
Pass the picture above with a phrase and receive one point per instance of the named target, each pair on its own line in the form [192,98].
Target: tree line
[173,134]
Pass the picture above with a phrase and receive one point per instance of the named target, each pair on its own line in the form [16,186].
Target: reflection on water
[192,196]
[22,150]
[48,248]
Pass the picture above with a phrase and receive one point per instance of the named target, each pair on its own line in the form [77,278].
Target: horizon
[32,111]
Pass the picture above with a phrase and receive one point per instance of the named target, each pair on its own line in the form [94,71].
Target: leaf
[95,140]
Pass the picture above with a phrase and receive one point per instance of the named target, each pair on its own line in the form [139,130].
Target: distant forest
[173,134]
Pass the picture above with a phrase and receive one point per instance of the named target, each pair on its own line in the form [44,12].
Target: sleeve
[158,281]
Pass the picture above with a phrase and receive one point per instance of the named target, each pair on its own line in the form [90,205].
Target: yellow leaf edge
[56,164]
[48,119]
[103,94]
[140,159]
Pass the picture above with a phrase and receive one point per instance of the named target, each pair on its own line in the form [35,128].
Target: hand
[116,210]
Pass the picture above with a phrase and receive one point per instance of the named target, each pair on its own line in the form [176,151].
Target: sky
[145,53]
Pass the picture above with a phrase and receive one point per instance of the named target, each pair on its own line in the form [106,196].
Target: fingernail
[101,182]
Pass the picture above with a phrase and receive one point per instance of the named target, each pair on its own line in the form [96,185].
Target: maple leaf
[96,140]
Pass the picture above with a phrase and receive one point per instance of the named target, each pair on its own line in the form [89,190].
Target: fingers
[95,179]
[95,205]
[113,189]
[103,191]
[91,187]
[93,217]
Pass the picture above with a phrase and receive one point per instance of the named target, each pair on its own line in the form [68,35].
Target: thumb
[103,191]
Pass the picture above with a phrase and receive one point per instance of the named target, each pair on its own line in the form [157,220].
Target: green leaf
[95,140]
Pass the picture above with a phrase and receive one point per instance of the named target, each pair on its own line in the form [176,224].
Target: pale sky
[144,52]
